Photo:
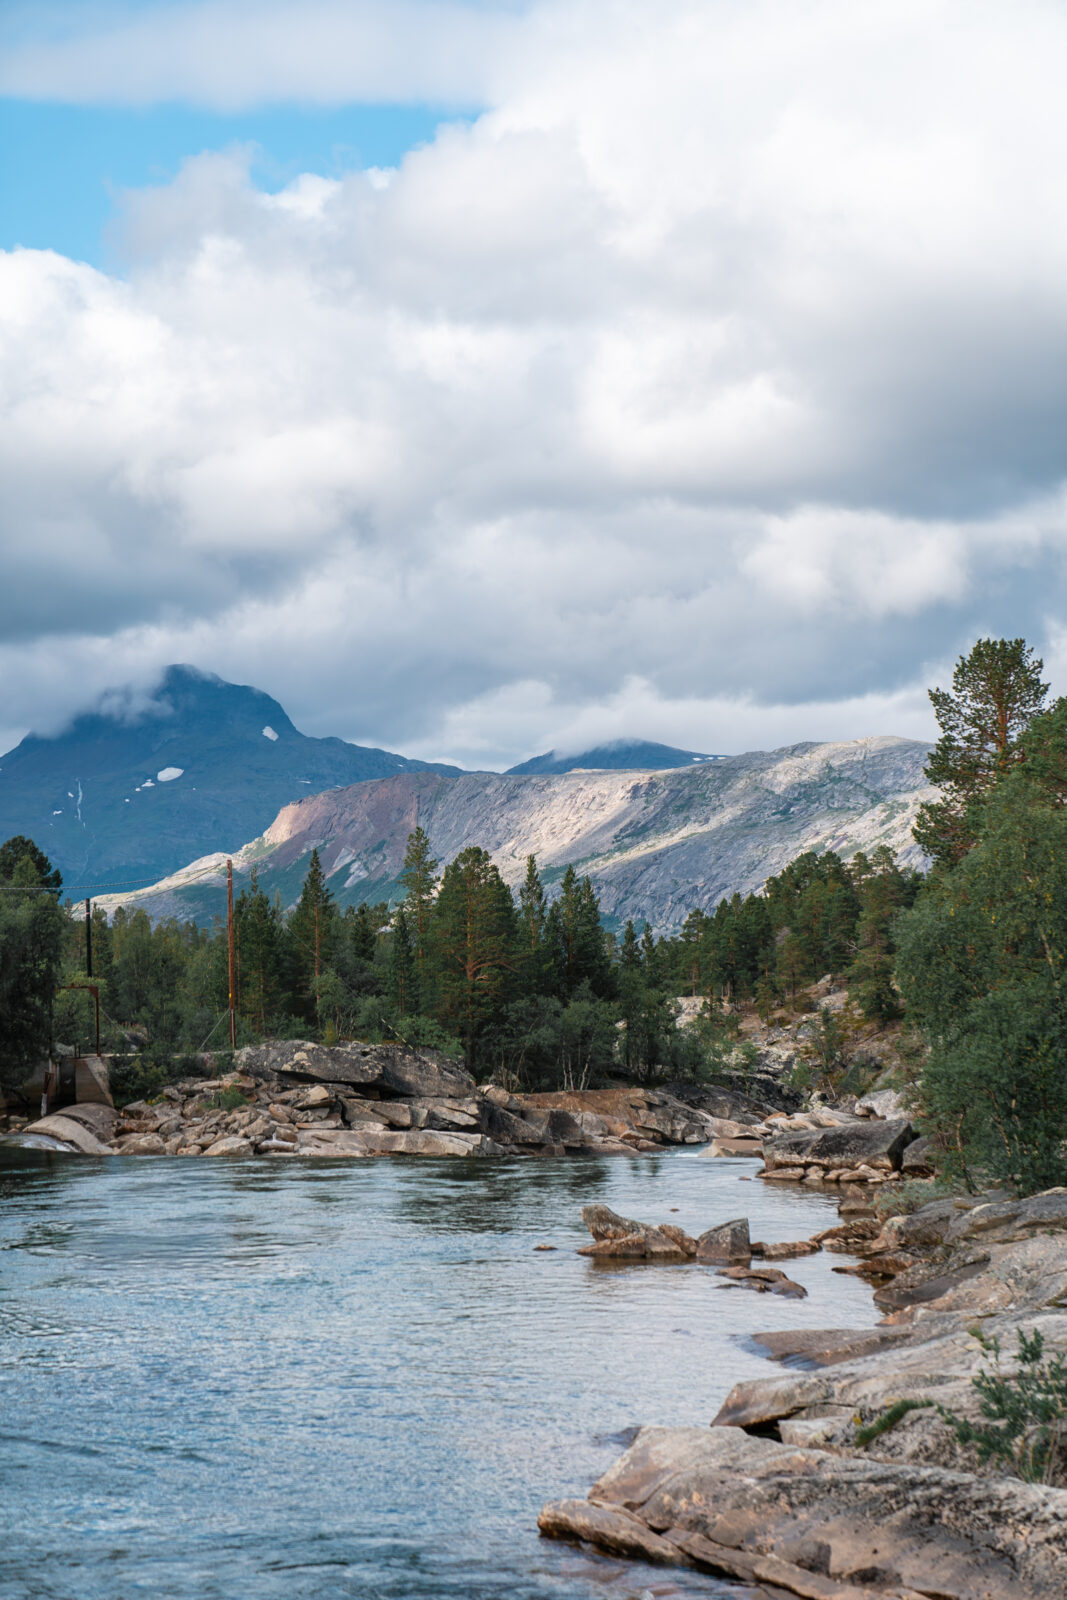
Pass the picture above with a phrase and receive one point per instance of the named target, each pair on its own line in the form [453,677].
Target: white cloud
[711,381]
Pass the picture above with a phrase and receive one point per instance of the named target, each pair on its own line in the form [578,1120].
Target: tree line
[532,989]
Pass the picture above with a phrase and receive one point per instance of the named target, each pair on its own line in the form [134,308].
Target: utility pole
[229,949]
[89,943]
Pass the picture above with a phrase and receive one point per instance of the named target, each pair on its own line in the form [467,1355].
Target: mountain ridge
[656,844]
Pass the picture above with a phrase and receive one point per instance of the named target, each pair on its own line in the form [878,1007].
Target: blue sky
[62,165]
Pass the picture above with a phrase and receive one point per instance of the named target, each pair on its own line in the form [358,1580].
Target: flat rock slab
[765,1280]
[786,1250]
[837,1527]
[827,1346]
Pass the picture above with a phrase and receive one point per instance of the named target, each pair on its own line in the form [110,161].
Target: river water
[320,1380]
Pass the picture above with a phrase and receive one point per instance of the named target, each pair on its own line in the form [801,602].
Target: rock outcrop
[778,1492]
[820,1525]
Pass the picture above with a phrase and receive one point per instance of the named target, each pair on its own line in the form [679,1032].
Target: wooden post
[229,947]
[89,947]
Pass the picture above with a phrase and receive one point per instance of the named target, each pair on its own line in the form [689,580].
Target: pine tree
[475,936]
[401,965]
[419,878]
[258,930]
[883,891]
[32,928]
[312,931]
[996,693]
[533,911]
[576,940]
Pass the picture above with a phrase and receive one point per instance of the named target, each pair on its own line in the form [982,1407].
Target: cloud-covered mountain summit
[618,755]
[133,788]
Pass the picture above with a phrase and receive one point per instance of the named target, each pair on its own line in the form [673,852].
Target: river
[249,1380]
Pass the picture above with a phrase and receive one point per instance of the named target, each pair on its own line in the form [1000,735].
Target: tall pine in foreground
[996,693]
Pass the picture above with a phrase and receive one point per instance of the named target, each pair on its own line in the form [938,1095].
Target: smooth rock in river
[764,1280]
[621,1238]
[71,1132]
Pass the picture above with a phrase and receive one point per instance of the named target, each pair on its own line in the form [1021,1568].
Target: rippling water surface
[257,1380]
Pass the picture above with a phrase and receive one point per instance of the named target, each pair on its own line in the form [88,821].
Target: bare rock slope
[656,844]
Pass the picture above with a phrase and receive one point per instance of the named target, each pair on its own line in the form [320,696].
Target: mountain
[655,844]
[618,755]
[129,791]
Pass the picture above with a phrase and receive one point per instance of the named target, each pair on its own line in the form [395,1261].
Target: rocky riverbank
[777,1493]
[299,1099]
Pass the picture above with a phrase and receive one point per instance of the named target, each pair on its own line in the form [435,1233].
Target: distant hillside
[117,797]
[655,844]
[618,755]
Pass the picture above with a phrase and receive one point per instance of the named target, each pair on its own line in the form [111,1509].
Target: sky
[480,378]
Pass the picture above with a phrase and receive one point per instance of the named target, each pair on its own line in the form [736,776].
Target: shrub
[229,1099]
[1024,1413]
[1024,1426]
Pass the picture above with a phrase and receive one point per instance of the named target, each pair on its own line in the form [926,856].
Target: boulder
[141,1144]
[728,1241]
[99,1119]
[232,1145]
[508,1127]
[734,1147]
[886,1104]
[877,1146]
[622,1239]
[917,1160]
[392,1070]
[71,1132]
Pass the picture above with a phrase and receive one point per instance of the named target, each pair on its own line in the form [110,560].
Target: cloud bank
[709,386]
